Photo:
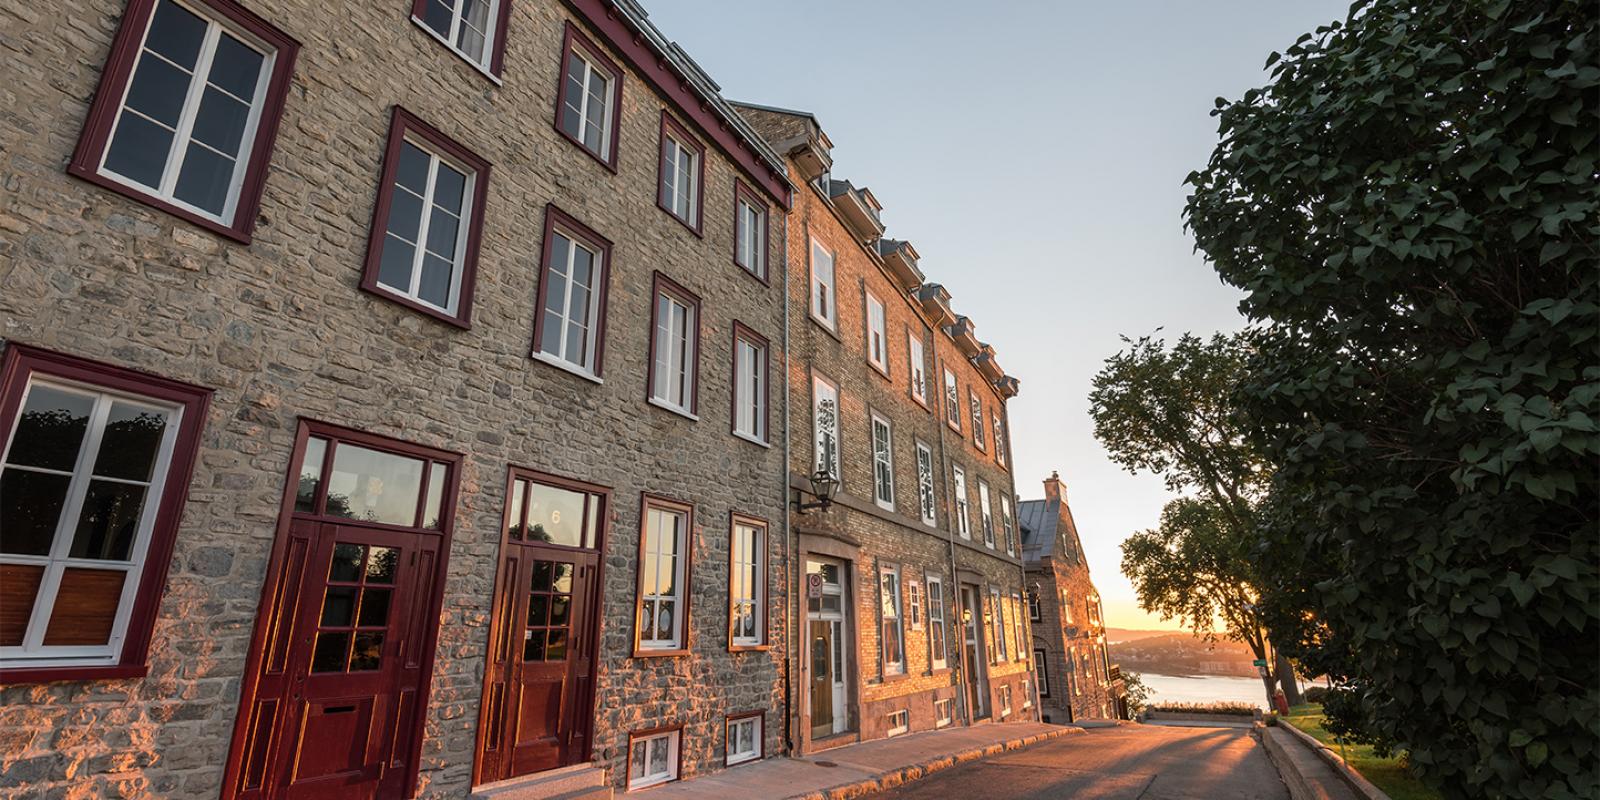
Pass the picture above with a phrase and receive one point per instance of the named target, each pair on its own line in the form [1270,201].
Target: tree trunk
[1291,687]
[1270,682]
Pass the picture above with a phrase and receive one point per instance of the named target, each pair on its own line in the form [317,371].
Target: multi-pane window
[898,722]
[181,124]
[925,497]
[469,27]
[893,632]
[747,584]
[825,426]
[997,627]
[1017,639]
[652,759]
[1027,694]
[999,440]
[744,738]
[422,249]
[674,347]
[749,231]
[963,519]
[590,99]
[682,160]
[663,571]
[914,604]
[355,608]
[1033,605]
[572,291]
[882,462]
[1005,701]
[944,712]
[936,629]
[1041,667]
[985,515]
[1007,527]
[976,406]
[877,334]
[1073,683]
[750,371]
[952,400]
[918,367]
[824,300]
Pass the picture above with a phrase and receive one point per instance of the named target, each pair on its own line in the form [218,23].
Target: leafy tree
[1411,207]
[1168,411]
[1135,693]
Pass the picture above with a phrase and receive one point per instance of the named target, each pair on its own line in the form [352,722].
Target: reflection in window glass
[437,477]
[373,486]
[555,516]
[305,498]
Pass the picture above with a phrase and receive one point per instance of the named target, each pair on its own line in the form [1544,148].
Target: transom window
[469,27]
[682,163]
[824,300]
[652,759]
[749,231]
[571,297]
[985,515]
[936,643]
[423,246]
[963,519]
[952,400]
[977,418]
[674,348]
[590,99]
[918,368]
[744,738]
[663,574]
[548,514]
[882,462]
[355,608]
[201,94]
[893,633]
[925,496]
[747,584]
[825,425]
[369,485]
[750,374]
[877,335]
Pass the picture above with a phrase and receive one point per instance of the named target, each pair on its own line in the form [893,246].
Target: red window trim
[761,741]
[742,191]
[734,520]
[572,41]
[96,134]
[659,285]
[628,766]
[21,362]
[646,502]
[402,122]
[682,134]
[553,218]
[743,331]
[264,608]
[496,59]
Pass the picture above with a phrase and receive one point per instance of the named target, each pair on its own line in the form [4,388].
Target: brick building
[910,613]
[1077,680]
[378,378]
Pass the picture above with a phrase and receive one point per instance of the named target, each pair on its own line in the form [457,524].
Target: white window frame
[823,390]
[1041,667]
[584,115]
[1005,701]
[750,236]
[999,440]
[753,537]
[1066,608]
[914,603]
[750,389]
[674,359]
[975,405]
[952,400]
[667,739]
[458,267]
[677,158]
[927,500]
[997,628]
[882,461]
[1027,694]
[963,511]
[1035,612]
[877,329]
[33,652]
[1008,526]
[482,63]
[183,135]
[985,513]
[918,367]
[730,732]
[899,722]
[935,593]
[546,318]
[680,569]
[943,712]
[825,303]
[891,605]
[1018,641]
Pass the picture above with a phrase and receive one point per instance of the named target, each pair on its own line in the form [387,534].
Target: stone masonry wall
[280,330]
[1072,640]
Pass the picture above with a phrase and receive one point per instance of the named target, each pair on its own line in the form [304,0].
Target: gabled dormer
[901,259]
[935,301]
[1007,386]
[859,208]
[795,134]
[987,364]
[965,335]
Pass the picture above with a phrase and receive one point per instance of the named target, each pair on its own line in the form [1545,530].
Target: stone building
[386,393]
[1077,680]
[909,613]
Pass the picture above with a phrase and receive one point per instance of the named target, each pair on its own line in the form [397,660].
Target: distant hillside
[1169,653]
[1131,635]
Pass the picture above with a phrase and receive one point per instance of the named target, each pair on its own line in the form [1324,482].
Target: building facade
[909,613]
[387,402]
[1077,680]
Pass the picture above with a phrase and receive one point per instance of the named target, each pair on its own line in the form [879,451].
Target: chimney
[1054,489]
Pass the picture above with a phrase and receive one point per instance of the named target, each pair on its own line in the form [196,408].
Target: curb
[1360,785]
[914,772]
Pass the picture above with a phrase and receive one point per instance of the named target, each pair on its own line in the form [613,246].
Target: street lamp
[823,487]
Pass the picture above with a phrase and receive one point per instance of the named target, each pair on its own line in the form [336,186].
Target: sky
[1034,152]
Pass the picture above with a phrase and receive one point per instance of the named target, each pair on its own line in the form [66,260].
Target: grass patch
[1388,774]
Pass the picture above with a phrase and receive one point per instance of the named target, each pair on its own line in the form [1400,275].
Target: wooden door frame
[267,612]
[497,598]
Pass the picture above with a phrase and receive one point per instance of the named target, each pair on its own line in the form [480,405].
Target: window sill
[240,234]
[749,648]
[610,164]
[641,652]
[882,370]
[736,761]
[41,674]
[751,439]
[693,228]
[889,507]
[374,289]
[822,323]
[484,71]
[679,410]
[895,678]
[566,366]
[760,276]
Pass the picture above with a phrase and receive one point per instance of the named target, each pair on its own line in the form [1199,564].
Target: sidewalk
[854,770]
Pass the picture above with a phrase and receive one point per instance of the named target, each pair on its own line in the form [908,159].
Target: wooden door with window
[538,694]
[337,684]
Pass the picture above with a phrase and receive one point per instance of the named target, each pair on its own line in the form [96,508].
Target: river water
[1203,689]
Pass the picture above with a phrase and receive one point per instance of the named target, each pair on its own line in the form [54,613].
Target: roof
[1038,522]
